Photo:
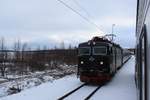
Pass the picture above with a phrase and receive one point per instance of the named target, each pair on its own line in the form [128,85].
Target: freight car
[98,60]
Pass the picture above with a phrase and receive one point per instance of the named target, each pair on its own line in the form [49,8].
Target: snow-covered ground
[30,80]
[121,87]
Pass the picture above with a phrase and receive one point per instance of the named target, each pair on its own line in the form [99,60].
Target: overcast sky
[48,22]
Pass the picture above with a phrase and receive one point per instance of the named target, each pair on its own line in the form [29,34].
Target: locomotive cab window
[100,50]
[84,51]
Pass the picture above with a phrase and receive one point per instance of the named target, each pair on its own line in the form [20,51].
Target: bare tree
[70,46]
[17,55]
[62,45]
[45,47]
[17,49]
[55,47]
[3,57]
[17,64]
[24,58]
[38,47]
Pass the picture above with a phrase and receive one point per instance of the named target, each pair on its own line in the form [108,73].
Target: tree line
[23,60]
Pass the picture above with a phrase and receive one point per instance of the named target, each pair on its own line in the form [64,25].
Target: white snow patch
[122,87]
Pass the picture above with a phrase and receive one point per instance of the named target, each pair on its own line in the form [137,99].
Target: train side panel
[142,70]
[147,63]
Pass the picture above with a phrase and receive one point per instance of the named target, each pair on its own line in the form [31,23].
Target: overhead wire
[82,8]
[85,18]
[85,11]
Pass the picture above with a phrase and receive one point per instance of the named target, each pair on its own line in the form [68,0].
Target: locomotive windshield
[84,51]
[100,50]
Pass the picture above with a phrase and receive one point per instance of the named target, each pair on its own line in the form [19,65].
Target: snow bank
[47,91]
[13,83]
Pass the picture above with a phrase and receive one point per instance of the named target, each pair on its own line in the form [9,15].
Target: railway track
[91,93]
[78,88]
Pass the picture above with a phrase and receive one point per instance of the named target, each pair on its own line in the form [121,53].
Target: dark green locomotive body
[98,60]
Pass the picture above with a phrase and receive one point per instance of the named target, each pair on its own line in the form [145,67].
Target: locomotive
[98,60]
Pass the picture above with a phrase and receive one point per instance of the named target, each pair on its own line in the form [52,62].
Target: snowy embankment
[12,83]
[121,87]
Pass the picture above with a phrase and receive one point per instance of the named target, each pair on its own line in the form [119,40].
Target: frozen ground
[24,82]
[122,87]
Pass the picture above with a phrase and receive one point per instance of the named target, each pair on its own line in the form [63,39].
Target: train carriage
[142,68]
[98,60]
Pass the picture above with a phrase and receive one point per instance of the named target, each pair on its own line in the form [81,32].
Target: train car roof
[84,44]
[98,41]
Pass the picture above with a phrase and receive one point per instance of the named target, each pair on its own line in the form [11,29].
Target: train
[99,59]
[142,66]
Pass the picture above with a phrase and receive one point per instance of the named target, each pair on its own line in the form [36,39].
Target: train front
[94,62]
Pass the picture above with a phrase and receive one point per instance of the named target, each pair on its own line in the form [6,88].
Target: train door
[143,67]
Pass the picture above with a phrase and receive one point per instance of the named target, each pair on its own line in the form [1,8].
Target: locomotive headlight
[82,62]
[101,63]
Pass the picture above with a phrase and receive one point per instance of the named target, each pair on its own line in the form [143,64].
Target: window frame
[99,53]
[143,69]
[84,48]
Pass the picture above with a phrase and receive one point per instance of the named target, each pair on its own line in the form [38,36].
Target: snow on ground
[121,87]
[46,91]
[12,83]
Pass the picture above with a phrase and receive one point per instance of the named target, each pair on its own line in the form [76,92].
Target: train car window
[100,50]
[110,49]
[84,51]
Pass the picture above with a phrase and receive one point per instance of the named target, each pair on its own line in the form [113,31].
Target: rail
[87,98]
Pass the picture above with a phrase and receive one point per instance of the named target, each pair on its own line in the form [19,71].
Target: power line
[85,18]
[83,9]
